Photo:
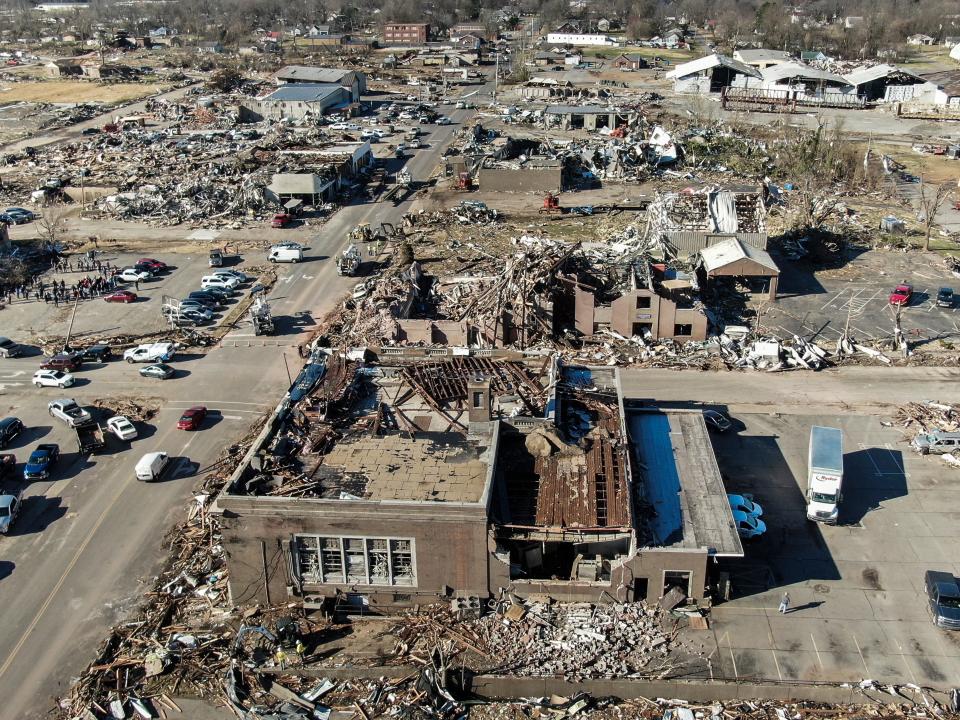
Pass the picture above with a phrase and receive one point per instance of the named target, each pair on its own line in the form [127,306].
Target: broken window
[677,579]
[682,330]
[308,558]
[331,559]
[643,330]
[643,302]
[356,560]
[378,560]
[402,561]
[368,561]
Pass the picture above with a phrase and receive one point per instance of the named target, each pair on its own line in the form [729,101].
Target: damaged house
[390,486]
[587,117]
[888,83]
[687,222]
[710,74]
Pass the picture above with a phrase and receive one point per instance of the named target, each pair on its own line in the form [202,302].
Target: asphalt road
[89,540]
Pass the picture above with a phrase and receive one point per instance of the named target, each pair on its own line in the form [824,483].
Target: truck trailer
[825,474]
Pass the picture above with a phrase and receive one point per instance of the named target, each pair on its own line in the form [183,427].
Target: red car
[122,296]
[281,220]
[155,265]
[192,417]
[61,361]
[901,295]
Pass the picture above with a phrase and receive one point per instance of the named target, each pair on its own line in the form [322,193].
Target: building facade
[405,33]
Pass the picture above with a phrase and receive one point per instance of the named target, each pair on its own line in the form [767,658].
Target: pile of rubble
[65,116]
[928,417]
[135,409]
[573,640]
[468,212]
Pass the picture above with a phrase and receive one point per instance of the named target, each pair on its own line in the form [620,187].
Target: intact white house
[582,39]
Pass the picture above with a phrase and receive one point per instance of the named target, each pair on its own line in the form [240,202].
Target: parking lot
[821,304]
[31,318]
[856,590]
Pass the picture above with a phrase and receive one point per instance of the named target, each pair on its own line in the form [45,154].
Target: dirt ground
[74,91]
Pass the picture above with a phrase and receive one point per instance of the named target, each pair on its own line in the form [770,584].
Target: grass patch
[76,91]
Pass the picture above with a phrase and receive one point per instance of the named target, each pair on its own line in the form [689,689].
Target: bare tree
[51,225]
[930,202]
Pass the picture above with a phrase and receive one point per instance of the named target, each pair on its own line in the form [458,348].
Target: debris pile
[134,409]
[573,640]
[928,417]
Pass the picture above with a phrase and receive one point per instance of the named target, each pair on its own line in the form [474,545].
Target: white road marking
[18,373]
[816,650]
[909,669]
[232,417]
[776,662]
[860,653]
[308,277]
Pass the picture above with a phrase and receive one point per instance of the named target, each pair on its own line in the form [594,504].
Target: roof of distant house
[302,92]
[749,55]
[309,74]
[711,61]
[732,250]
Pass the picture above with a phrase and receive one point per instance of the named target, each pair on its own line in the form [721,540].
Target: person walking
[784,604]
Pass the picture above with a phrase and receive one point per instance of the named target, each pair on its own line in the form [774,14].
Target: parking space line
[909,669]
[777,663]
[893,456]
[833,299]
[860,653]
[816,650]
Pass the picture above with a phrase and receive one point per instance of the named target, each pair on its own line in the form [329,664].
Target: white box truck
[824,474]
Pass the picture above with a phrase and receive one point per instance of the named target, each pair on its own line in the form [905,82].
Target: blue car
[40,461]
[19,215]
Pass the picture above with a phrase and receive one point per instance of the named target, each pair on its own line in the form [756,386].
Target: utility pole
[496,79]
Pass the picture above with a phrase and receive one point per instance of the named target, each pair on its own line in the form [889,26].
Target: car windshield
[186,418]
[829,498]
[950,601]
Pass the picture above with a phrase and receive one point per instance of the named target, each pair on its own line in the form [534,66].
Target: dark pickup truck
[89,438]
[40,460]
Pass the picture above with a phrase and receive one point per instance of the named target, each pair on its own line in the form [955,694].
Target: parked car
[748,526]
[197,315]
[8,464]
[151,466]
[281,220]
[221,293]
[209,299]
[717,420]
[943,596]
[52,378]
[90,131]
[443,120]
[209,281]
[196,305]
[938,442]
[144,267]
[945,297]
[9,509]
[61,361]
[150,352]
[192,418]
[120,296]
[339,126]
[745,504]
[69,411]
[160,371]
[10,427]
[133,275]
[156,265]
[237,275]
[40,461]
[19,215]
[122,427]
[8,348]
[216,258]
[96,353]
[901,294]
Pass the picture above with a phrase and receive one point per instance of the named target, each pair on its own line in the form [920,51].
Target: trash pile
[928,417]
[65,116]
[574,640]
[467,212]
[134,409]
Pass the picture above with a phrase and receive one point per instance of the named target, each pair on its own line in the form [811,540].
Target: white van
[151,466]
[281,253]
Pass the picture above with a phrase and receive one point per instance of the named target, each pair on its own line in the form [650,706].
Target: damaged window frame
[312,568]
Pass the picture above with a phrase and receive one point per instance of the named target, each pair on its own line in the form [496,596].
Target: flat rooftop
[430,467]
[680,479]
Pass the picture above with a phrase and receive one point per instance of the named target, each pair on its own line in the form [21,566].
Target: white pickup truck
[68,411]
[151,352]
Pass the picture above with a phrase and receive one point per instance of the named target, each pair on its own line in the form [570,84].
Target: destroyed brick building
[457,475]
